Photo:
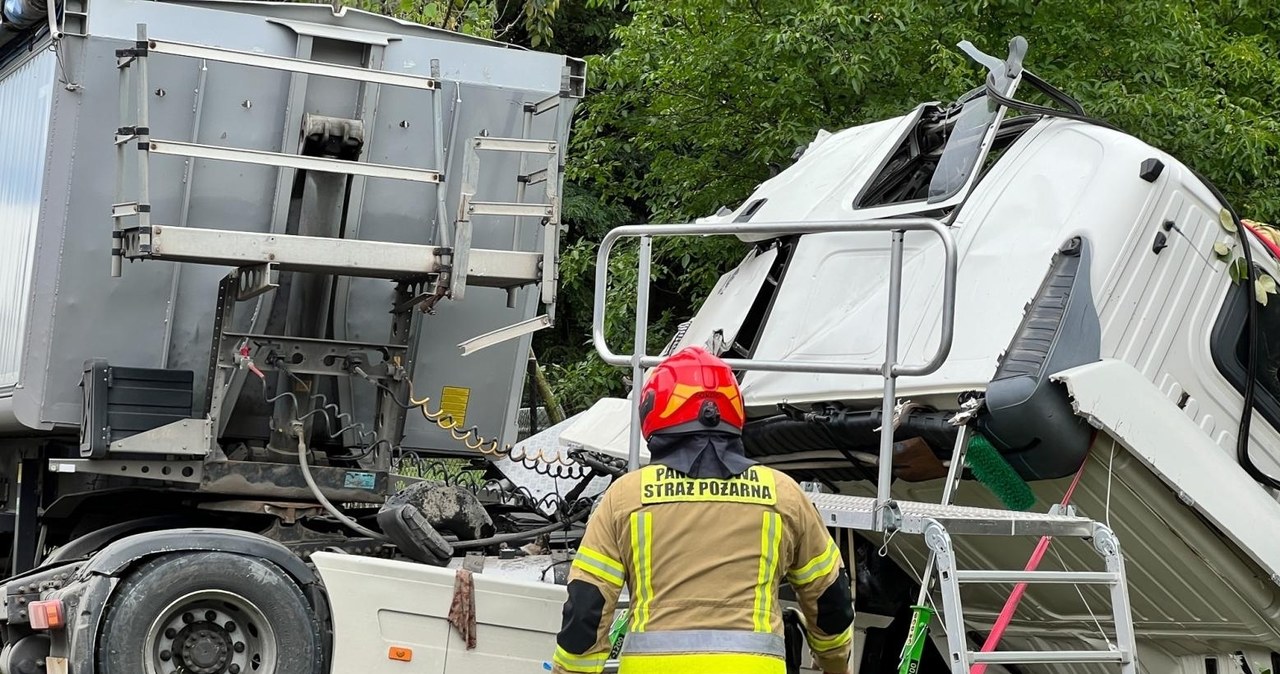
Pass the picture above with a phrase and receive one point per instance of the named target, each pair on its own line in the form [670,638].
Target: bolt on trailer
[267,266]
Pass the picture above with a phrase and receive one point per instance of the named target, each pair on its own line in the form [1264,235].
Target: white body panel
[22,156]
[380,604]
[1114,397]
[1061,179]
[721,315]
[604,428]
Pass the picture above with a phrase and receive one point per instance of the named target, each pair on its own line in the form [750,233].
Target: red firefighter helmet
[691,390]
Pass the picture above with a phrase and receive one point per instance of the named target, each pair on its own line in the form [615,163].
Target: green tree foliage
[482,18]
[701,100]
[578,28]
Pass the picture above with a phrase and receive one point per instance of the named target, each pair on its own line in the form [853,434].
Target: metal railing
[889,369]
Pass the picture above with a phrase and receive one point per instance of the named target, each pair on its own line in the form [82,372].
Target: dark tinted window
[1231,348]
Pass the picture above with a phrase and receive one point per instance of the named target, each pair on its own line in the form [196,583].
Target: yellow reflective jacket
[703,560]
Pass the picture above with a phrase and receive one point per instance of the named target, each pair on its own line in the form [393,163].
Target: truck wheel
[209,613]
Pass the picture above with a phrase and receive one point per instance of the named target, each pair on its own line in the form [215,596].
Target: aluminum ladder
[936,523]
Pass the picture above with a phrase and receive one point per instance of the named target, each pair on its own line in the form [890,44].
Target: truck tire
[209,613]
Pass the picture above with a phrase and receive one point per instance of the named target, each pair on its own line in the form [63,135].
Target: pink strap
[1011,605]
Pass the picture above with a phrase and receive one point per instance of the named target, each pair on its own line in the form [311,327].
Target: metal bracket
[188,472]
[547,104]
[968,410]
[417,295]
[474,562]
[460,261]
[1104,541]
[573,80]
[890,516]
[533,177]
[1058,509]
[137,241]
[140,49]
[303,355]
[129,209]
[813,487]
[551,261]
[503,334]
[560,571]
[256,280]
[189,437]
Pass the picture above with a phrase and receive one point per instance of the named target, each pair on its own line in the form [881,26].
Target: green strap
[916,638]
[617,631]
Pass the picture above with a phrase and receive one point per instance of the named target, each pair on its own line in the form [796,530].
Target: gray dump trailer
[234,235]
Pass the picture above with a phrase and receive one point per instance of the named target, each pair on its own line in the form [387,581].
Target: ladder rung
[294,161]
[503,208]
[127,209]
[1046,657]
[532,145]
[1082,577]
[302,66]
[318,254]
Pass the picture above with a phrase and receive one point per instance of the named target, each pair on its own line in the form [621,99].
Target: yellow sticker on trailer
[453,403]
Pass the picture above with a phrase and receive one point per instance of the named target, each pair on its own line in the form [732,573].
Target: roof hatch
[935,163]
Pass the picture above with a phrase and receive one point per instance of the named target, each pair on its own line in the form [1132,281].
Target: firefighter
[702,537]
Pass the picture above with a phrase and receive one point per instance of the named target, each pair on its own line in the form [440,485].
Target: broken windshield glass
[963,150]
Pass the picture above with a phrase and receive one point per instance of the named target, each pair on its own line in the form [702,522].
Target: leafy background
[692,103]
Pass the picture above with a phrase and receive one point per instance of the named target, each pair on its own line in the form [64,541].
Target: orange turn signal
[400,653]
[46,615]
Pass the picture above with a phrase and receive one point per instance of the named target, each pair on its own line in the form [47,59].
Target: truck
[999,274]
[265,265]
[1072,355]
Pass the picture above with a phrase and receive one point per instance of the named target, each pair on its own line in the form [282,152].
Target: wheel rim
[211,632]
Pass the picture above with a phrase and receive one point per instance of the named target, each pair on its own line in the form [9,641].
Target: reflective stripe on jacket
[703,560]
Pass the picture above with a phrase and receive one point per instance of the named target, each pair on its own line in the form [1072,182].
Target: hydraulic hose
[461,545]
[315,490]
[521,535]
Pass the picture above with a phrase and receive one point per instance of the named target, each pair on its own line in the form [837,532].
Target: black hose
[521,535]
[1251,320]
[596,463]
[1251,364]
[315,490]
